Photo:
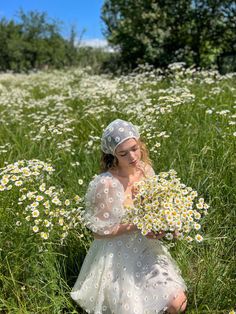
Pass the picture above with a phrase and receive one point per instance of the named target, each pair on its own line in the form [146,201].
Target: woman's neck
[128,172]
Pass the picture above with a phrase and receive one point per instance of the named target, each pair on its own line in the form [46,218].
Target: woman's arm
[126,228]
[120,229]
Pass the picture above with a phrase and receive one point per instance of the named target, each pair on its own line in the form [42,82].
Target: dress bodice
[104,203]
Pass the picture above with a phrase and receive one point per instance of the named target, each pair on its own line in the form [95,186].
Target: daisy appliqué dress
[123,274]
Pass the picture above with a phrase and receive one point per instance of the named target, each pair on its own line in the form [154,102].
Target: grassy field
[50,125]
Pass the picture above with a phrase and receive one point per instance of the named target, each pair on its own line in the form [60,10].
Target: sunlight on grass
[188,120]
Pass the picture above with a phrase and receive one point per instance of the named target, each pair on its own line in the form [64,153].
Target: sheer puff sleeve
[104,204]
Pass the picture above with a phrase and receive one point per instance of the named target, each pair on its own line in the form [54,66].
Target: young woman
[124,272]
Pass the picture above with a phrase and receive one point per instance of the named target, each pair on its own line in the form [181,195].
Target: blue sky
[84,14]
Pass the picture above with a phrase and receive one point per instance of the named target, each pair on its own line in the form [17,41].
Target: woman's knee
[178,304]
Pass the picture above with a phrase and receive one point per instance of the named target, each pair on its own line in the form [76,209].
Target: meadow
[50,128]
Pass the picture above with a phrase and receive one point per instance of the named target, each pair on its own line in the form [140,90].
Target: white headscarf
[116,133]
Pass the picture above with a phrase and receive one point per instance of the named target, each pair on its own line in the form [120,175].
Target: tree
[34,42]
[72,52]
[42,38]
[164,31]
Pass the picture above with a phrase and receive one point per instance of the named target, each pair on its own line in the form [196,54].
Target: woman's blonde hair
[109,161]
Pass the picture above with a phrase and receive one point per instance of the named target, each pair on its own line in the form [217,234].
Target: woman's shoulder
[104,186]
[106,179]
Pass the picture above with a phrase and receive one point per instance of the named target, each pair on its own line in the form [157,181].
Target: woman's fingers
[153,235]
[176,233]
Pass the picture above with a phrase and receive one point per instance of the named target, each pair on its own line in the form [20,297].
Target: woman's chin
[134,164]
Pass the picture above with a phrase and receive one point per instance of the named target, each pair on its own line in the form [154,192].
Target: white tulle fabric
[125,274]
[104,204]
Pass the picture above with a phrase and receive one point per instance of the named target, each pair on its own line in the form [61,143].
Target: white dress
[124,274]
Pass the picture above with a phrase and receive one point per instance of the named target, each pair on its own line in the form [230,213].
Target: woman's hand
[176,234]
[153,235]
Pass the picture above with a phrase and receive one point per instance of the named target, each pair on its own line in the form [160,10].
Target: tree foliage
[34,42]
[158,32]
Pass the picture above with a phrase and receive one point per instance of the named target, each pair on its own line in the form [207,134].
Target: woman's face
[128,153]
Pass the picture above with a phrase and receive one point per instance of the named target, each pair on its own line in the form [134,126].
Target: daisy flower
[198,238]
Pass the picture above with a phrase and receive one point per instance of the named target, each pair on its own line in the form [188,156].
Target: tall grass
[58,117]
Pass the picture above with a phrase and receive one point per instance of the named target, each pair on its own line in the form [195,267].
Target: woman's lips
[134,162]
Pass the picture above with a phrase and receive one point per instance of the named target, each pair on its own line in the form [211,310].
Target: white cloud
[96,43]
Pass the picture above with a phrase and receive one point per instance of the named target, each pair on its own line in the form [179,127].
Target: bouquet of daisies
[163,203]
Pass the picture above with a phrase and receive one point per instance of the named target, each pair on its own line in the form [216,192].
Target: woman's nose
[132,156]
